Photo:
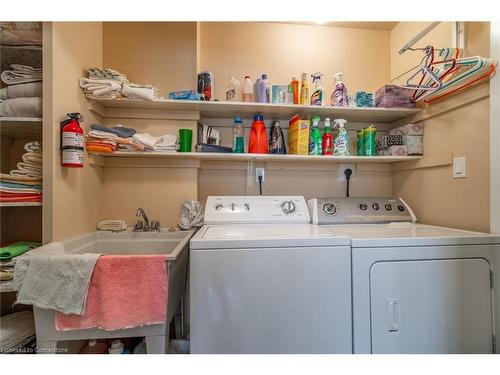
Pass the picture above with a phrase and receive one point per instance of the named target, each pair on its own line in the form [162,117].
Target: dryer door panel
[431,306]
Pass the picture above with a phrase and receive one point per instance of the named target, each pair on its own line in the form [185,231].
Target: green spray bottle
[341,141]
[315,137]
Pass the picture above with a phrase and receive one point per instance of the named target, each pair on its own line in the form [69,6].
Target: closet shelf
[21,127]
[20,204]
[107,107]
[101,159]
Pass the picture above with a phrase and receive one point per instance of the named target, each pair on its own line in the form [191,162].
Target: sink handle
[155,225]
[138,225]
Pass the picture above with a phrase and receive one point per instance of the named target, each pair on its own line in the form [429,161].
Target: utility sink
[175,244]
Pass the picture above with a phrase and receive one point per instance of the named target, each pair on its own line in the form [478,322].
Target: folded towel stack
[165,143]
[21,33]
[107,140]
[109,83]
[24,184]
[23,96]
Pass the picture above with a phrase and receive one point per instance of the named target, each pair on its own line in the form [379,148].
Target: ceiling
[372,25]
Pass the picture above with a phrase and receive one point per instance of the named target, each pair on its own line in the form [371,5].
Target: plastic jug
[258,137]
[94,347]
[248,89]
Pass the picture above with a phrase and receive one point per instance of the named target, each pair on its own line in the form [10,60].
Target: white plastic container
[232,89]
[116,347]
[248,90]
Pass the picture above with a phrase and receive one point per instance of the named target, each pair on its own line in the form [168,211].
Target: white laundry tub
[174,244]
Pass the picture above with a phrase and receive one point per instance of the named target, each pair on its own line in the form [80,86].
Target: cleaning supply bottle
[341,143]
[263,90]
[304,90]
[232,89]
[238,136]
[315,137]
[318,94]
[94,347]
[248,89]
[258,137]
[295,90]
[327,146]
[339,95]
[276,139]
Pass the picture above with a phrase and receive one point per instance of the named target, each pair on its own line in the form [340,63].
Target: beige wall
[162,54]
[72,196]
[433,193]
[285,50]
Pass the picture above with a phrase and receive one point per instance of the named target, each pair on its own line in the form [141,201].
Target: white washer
[416,288]
[264,280]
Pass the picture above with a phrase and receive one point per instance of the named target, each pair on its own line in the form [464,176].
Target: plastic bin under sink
[174,244]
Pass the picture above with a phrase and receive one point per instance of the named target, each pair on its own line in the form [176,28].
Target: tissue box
[414,143]
[282,94]
[389,140]
[399,150]
[298,136]
[409,129]
[364,99]
[394,96]
[184,95]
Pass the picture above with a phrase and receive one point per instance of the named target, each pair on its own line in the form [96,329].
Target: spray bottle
[304,90]
[318,95]
[315,137]
[341,142]
[339,95]
[327,146]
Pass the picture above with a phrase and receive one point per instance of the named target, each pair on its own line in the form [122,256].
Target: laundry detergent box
[298,136]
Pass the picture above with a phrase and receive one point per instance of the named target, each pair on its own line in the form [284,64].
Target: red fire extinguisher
[72,141]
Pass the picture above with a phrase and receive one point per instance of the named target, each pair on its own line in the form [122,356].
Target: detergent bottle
[315,137]
[276,139]
[295,90]
[263,90]
[248,89]
[258,137]
[341,142]
[318,94]
[327,146]
[304,90]
[339,95]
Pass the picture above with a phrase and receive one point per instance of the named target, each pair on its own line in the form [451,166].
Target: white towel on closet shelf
[135,91]
[21,74]
[21,107]
[146,139]
[106,73]
[101,87]
[23,90]
[33,147]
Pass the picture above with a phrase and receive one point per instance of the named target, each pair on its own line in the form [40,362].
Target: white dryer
[264,280]
[416,288]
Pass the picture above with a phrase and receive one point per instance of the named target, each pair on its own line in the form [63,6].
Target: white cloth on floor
[135,91]
[21,107]
[101,87]
[51,279]
[21,74]
[23,90]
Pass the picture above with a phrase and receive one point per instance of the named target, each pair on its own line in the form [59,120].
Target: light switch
[459,167]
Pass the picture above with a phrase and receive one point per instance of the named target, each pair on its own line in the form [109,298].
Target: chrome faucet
[141,212]
[140,226]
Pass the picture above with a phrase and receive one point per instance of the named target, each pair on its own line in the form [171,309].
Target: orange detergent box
[298,136]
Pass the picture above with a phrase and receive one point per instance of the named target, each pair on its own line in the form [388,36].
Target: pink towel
[125,291]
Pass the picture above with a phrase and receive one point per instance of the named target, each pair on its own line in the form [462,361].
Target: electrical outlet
[259,172]
[343,167]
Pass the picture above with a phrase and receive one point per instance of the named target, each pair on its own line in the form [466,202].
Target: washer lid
[408,234]
[264,235]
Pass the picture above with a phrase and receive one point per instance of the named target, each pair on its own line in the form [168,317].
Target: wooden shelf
[20,204]
[102,159]
[107,107]
[21,127]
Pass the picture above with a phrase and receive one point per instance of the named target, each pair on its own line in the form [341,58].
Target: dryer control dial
[329,208]
[288,207]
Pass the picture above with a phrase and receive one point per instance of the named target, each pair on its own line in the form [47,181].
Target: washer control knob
[288,207]
[247,206]
[233,205]
[363,206]
[329,209]
[401,208]
[375,206]
[388,207]
[218,206]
